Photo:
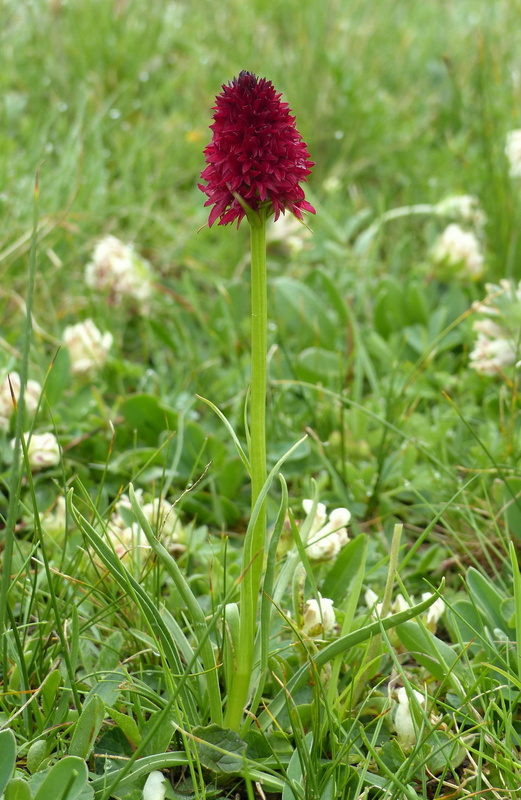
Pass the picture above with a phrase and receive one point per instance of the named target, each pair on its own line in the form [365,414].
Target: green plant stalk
[15,476]
[374,644]
[254,543]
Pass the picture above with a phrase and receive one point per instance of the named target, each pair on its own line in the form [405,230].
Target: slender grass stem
[15,476]
[253,552]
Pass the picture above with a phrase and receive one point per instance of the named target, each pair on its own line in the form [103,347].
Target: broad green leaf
[429,651]
[87,727]
[50,688]
[145,414]
[318,364]
[110,652]
[220,749]
[107,686]
[127,724]
[7,757]
[36,755]
[466,618]
[65,781]
[445,750]
[18,789]
[487,598]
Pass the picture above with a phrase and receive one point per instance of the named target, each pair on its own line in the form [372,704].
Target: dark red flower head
[256,152]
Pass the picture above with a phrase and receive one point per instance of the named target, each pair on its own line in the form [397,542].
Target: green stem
[254,543]
[15,475]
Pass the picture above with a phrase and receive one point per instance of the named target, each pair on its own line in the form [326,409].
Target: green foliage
[120,636]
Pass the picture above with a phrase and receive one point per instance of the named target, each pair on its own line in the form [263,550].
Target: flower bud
[319,617]
[403,721]
[155,786]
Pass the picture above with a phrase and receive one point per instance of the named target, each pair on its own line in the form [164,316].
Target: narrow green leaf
[144,602]
[196,613]
[517,602]
[340,645]
[433,654]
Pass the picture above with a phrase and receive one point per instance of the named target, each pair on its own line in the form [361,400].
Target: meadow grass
[121,617]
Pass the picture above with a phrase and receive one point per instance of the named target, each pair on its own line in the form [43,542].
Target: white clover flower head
[513,152]
[162,514]
[491,356]
[327,536]
[155,786]
[320,514]
[126,535]
[434,612]
[88,347]
[126,540]
[488,328]
[318,617]
[119,271]
[459,251]
[403,721]
[463,206]
[43,451]
[11,385]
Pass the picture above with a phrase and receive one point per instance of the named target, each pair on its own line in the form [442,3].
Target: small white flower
[319,617]
[155,786]
[326,539]
[403,721]
[127,536]
[459,251]
[43,451]
[11,383]
[371,601]
[434,612]
[463,206]
[491,356]
[513,152]
[488,328]
[162,515]
[88,347]
[117,269]
[400,604]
